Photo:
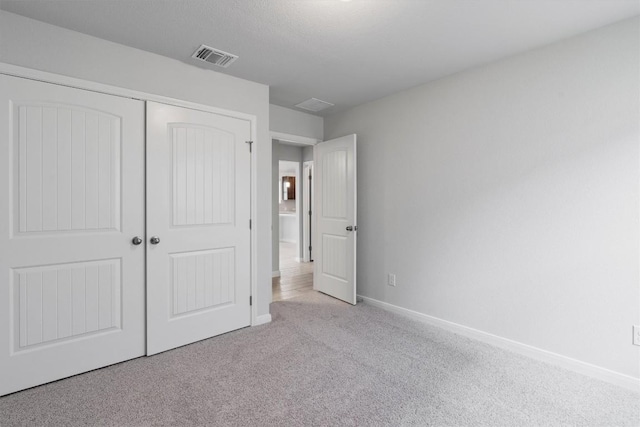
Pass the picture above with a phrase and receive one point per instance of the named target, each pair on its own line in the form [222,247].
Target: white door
[334,247]
[71,200]
[198,236]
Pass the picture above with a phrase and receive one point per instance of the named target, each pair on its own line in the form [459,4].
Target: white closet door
[71,200]
[335,211]
[198,211]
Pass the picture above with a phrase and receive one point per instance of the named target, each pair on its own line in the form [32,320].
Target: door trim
[295,139]
[61,80]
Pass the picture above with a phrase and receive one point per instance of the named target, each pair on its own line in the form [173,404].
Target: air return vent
[314,104]
[214,56]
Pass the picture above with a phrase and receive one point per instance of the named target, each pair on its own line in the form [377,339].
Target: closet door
[71,201]
[198,211]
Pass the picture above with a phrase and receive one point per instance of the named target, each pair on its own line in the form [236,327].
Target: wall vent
[214,56]
[314,104]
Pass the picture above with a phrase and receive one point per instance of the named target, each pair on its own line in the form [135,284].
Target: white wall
[506,198]
[292,122]
[33,44]
[307,154]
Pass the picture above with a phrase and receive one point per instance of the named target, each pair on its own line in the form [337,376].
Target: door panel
[71,199]
[335,204]
[198,275]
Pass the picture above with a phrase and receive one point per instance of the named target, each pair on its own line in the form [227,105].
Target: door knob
[154,240]
[351,228]
[136,240]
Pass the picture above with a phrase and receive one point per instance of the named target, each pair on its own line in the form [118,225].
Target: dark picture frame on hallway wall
[288,188]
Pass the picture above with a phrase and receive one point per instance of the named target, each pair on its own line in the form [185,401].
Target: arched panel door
[335,211]
[198,213]
[71,203]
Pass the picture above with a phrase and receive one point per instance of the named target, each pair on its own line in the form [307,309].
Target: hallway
[296,278]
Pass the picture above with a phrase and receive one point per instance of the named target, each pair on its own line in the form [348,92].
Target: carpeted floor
[325,363]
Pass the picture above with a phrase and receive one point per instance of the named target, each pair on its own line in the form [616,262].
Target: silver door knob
[136,240]
[350,228]
[154,240]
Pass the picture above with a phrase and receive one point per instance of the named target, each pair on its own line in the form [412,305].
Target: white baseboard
[275,273]
[565,362]
[261,320]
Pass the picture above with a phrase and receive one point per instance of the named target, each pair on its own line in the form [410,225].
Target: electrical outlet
[636,335]
[391,279]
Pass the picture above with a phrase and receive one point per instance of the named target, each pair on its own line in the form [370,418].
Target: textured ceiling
[346,53]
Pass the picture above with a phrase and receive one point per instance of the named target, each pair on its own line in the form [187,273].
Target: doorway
[333,228]
[289,207]
[293,269]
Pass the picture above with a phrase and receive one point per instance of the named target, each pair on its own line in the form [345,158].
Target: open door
[335,218]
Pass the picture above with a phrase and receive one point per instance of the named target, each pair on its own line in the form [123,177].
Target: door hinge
[309,248]
[250,145]
[250,300]
[249,224]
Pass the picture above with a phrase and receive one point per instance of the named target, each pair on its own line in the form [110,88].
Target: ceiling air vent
[314,104]
[214,56]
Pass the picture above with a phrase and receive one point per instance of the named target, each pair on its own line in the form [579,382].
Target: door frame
[307,205]
[290,139]
[47,77]
[294,139]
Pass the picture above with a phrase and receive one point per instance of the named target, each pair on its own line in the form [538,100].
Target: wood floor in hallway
[296,278]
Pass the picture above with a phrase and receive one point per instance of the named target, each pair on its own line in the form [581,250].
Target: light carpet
[325,363]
